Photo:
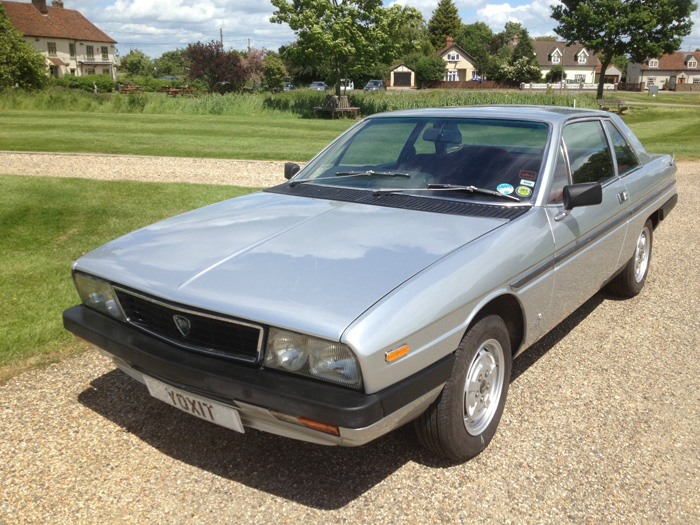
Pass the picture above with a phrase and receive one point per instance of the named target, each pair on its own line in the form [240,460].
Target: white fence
[568,86]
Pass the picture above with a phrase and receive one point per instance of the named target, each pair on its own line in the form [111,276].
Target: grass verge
[45,224]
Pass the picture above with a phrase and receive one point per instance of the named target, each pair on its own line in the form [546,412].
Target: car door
[588,240]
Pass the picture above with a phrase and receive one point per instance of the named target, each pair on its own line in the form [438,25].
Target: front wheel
[632,278]
[463,419]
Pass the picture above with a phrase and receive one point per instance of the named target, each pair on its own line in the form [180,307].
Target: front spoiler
[232,382]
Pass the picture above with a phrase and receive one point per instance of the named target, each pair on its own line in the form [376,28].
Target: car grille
[200,331]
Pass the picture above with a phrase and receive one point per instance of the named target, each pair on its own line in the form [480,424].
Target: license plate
[195,405]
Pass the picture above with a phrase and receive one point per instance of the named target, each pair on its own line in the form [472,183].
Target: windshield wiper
[349,174]
[471,189]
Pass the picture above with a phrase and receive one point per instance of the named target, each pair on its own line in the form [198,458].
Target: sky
[156,26]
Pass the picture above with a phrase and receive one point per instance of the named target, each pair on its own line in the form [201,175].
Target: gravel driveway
[602,423]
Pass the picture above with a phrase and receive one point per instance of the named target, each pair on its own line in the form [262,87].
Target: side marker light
[393,355]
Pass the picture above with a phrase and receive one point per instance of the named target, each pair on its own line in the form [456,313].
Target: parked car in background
[288,86]
[319,86]
[375,85]
[392,279]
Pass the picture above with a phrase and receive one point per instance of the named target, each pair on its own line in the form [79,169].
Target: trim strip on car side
[590,238]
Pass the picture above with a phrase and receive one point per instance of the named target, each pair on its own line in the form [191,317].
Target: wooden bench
[131,89]
[607,104]
[335,105]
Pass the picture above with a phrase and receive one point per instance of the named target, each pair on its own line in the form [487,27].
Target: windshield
[432,156]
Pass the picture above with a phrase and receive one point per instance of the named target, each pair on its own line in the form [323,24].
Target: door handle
[623,196]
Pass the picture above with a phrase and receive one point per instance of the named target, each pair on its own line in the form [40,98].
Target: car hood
[306,264]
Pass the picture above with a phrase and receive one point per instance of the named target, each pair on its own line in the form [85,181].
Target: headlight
[98,294]
[312,357]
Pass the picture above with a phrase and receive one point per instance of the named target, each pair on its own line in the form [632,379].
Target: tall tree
[444,22]
[170,63]
[344,36]
[20,63]
[221,70]
[640,29]
[136,64]
[475,39]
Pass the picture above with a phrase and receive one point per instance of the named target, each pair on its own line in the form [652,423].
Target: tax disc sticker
[505,189]
[523,191]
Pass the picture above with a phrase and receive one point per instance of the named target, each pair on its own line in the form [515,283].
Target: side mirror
[584,194]
[290,169]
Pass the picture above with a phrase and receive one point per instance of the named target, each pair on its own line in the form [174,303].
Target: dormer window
[653,62]
[556,57]
[453,57]
[692,63]
[582,57]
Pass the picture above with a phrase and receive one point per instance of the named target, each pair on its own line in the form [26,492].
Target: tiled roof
[545,48]
[450,44]
[58,23]
[675,61]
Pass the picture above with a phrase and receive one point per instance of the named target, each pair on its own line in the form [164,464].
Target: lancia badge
[183,324]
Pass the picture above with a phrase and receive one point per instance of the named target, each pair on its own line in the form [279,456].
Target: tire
[462,420]
[632,278]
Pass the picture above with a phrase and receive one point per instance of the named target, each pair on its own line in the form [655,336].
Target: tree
[640,29]
[170,63]
[20,63]
[274,72]
[554,75]
[136,64]
[344,36]
[254,62]
[444,22]
[475,39]
[430,68]
[220,70]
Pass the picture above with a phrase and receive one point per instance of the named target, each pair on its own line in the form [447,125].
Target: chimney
[450,41]
[41,6]
[57,3]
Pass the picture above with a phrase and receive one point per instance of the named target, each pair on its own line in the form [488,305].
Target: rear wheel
[462,421]
[632,278]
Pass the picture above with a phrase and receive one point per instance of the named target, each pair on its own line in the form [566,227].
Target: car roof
[538,113]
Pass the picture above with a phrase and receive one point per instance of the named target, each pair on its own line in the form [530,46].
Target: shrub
[104,83]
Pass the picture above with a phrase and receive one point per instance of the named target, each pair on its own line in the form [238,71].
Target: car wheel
[463,419]
[632,278]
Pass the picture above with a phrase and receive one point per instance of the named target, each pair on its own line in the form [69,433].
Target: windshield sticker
[505,189]
[529,175]
[529,183]
[523,191]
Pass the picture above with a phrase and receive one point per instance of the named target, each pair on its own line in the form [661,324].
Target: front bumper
[260,393]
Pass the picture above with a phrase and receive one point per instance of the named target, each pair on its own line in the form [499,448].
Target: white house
[668,71]
[578,63]
[69,41]
[461,66]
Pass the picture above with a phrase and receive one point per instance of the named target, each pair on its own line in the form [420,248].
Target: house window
[696,80]
[692,63]
[52,48]
[90,72]
[71,50]
[555,59]
[453,57]
[105,53]
[453,76]
[90,52]
[582,59]
[580,78]
[105,71]
[653,62]
[72,71]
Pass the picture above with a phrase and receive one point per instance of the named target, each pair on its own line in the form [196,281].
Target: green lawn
[267,135]
[666,129]
[45,224]
[664,97]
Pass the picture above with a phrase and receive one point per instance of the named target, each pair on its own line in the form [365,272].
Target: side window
[561,178]
[626,159]
[589,154]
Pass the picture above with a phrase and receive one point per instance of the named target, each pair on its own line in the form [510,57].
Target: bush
[104,83]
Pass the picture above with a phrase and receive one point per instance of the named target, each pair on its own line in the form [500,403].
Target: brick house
[579,64]
[69,41]
[461,66]
[668,71]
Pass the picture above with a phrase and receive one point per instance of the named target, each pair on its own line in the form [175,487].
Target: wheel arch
[508,308]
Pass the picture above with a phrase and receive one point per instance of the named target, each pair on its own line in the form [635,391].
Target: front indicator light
[98,294]
[318,425]
[393,355]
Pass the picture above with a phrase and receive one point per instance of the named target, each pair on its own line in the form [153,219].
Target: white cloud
[535,16]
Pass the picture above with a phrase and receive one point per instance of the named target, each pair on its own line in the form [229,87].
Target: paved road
[602,424]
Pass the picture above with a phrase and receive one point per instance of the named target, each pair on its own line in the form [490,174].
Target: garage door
[402,79]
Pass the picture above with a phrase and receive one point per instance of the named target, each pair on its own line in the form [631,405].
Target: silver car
[390,280]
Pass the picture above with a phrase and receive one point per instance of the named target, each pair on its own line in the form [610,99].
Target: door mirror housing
[583,194]
[290,169]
